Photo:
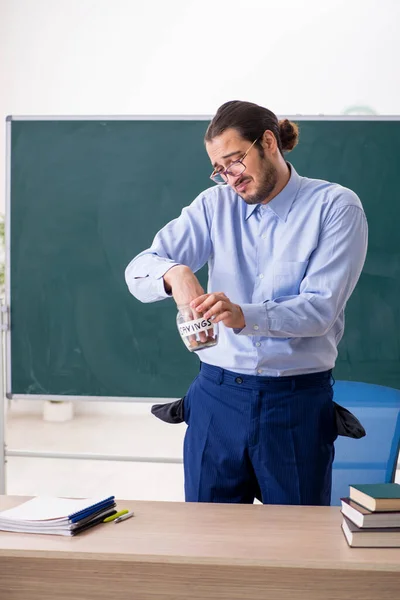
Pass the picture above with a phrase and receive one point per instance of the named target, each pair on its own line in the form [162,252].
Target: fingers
[197,301]
[215,306]
[194,340]
[188,315]
[224,316]
[206,301]
[219,307]
[202,334]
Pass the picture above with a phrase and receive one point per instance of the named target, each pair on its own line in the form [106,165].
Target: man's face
[257,182]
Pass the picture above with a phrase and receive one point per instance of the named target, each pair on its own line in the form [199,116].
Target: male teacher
[284,254]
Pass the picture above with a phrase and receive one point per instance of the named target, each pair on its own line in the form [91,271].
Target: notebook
[58,516]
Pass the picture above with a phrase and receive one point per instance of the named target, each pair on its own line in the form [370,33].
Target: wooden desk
[180,551]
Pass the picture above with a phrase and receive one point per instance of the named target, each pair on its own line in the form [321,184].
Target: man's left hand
[218,306]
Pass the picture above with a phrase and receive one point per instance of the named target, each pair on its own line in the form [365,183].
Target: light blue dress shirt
[291,265]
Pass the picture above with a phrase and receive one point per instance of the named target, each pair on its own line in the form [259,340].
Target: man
[284,254]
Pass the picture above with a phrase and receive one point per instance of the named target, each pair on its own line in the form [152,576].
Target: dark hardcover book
[370,538]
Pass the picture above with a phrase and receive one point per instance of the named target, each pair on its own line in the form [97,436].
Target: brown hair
[250,121]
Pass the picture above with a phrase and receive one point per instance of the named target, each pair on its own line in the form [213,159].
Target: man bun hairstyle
[250,121]
[289,134]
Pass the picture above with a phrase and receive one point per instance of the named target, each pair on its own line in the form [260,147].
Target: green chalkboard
[87,195]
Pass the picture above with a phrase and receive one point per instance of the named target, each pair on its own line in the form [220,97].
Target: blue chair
[373,458]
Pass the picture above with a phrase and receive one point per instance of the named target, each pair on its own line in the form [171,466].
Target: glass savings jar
[196,332]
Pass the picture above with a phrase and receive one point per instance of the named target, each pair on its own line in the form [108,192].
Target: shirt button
[259,370]
[239,380]
[255,327]
[261,275]
[264,235]
[258,344]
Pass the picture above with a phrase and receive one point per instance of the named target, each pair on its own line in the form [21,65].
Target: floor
[123,429]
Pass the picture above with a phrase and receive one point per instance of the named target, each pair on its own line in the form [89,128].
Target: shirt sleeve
[332,273]
[184,241]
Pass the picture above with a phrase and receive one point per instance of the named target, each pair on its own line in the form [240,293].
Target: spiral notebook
[57,516]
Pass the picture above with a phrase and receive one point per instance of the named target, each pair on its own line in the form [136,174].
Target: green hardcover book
[377,496]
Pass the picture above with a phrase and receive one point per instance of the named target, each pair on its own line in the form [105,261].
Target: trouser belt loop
[216,374]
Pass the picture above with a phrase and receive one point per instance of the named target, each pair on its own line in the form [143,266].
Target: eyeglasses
[235,169]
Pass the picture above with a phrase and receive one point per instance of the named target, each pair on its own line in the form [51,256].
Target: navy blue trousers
[251,437]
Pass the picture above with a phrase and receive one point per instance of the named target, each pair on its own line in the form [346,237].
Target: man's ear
[269,142]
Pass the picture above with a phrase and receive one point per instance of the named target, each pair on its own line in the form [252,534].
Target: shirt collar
[282,203]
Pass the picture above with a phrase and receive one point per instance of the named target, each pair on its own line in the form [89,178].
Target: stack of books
[57,516]
[371,516]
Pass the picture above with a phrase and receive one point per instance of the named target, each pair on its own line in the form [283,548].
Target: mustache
[242,180]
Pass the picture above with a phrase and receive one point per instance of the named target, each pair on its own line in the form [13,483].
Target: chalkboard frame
[8,300]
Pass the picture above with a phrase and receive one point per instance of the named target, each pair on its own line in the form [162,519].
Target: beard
[266,185]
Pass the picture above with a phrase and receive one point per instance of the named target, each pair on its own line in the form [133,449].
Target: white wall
[189,56]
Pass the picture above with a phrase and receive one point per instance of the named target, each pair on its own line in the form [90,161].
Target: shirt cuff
[255,316]
[158,275]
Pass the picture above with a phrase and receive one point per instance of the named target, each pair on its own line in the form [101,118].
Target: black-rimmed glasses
[236,168]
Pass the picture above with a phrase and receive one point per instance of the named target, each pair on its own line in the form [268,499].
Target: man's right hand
[182,283]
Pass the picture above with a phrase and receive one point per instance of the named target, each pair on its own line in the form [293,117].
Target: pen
[116,515]
[127,515]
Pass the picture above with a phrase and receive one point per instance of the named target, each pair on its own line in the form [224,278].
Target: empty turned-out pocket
[287,277]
